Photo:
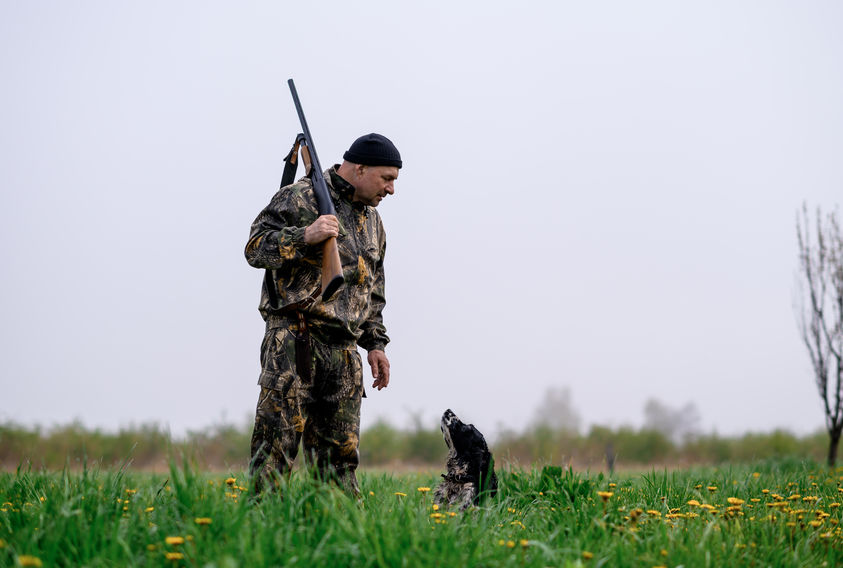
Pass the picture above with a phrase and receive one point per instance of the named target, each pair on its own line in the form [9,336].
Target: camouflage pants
[320,411]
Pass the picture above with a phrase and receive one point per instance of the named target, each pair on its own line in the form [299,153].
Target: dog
[471,468]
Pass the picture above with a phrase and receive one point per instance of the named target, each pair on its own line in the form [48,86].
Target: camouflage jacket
[353,316]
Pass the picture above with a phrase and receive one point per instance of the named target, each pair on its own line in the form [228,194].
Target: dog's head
[461,438]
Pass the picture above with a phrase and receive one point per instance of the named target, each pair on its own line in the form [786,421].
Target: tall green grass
[778,513]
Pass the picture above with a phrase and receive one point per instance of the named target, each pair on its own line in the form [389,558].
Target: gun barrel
[332,277]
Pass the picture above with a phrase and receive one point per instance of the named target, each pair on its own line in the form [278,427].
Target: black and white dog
[471,469]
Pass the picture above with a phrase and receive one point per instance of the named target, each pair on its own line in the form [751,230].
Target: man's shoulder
[299,193]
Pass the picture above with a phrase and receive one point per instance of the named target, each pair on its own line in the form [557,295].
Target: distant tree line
[226,447]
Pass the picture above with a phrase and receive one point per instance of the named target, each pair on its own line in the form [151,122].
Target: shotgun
[332,277]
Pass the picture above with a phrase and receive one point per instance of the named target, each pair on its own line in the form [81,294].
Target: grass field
[766,514]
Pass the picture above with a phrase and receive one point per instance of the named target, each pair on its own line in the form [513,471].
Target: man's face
[373,183]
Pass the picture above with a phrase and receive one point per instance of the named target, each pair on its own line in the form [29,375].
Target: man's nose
[390,189]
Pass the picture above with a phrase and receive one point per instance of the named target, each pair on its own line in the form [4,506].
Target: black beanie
[373,150]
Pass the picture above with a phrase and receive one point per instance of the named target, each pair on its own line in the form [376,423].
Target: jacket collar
[341,189]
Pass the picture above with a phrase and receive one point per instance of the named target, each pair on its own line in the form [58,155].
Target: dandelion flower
[694,503]
[502,542]
[524,543]
[510,544]
[399,494]
[423,489]
[27,560]
[735,501]
[435,507]
[149,509]
[712,488]
[231,481]
[174,540]
[202,520]
[587,555]
[174,555]
[605,495]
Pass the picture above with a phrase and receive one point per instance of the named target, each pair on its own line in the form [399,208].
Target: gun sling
[295,311]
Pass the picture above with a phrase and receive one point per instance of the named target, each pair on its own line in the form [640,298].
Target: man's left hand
[380,368]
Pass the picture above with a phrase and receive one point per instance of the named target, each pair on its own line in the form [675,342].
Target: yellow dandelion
[372,493]
[612,485]
[756,475]
[149,509]
[834,505]
[653,513]
[423,489]
[735,501]
[202,520]
[712,488]
[27,560]
[436,515]
[399,494]
[151,547]
[510,544]
[815,524]
[524,543]
[765,491]
[663,552]
[174,540]
[131,491]
[452,514]
[605,495]
[231,481]
[174,555]
[587,555]
[2,543]
[502,542]
[435,507]
[694,503]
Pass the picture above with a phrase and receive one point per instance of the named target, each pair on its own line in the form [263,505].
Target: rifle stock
[332,277]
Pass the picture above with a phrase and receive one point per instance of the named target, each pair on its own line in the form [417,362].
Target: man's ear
[360,169]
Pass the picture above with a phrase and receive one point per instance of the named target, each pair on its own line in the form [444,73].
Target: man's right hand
[324,227]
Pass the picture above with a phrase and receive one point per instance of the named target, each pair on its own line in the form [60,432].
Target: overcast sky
[599,196]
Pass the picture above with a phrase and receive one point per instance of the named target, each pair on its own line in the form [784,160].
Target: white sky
[596,195]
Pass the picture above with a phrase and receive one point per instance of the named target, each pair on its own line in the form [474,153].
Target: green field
[765,514]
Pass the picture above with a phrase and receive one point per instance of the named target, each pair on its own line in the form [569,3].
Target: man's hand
[324,227]
[380,368]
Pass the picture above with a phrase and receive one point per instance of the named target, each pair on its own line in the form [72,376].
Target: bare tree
[677,425]
[819,305]
[557,413]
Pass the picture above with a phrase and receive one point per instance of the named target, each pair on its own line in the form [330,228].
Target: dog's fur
[471,468]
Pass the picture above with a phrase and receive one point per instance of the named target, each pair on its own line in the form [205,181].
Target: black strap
[291,164]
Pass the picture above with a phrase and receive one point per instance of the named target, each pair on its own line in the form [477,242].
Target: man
[311,373]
